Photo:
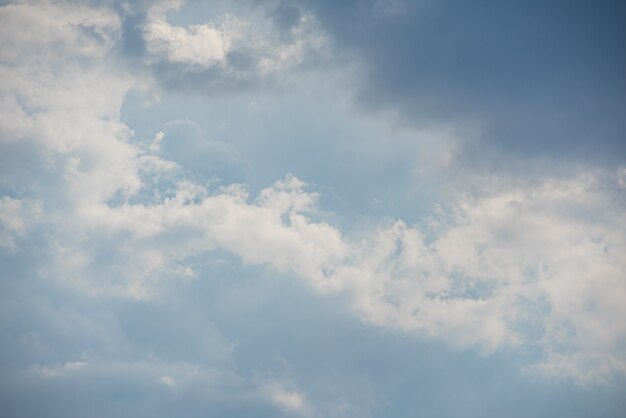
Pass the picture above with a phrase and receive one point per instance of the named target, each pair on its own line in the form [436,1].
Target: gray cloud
[535,78]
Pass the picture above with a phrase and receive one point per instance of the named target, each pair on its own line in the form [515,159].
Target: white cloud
[290,400]
[35,32]
[203,45]
[272,230]
[155,145]
[168,381]
[65,98]
[207,385]
[307,41]
[537,266]
[17,216]
[57,370]
[250,39]
[283,395]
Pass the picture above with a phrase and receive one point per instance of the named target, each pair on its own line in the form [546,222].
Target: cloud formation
[532,79]
[106,229]
[231,53]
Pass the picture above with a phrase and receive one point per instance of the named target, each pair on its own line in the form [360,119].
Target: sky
[319,209]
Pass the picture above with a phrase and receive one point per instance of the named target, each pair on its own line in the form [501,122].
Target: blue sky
[366,208]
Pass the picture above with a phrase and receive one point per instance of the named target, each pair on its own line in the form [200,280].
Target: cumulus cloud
[537,267]
[533,266]
[61,27]
[231,50]
[65,104]
[202,45]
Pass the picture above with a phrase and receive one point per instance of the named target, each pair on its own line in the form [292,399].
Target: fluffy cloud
[231,51]
[537,266]
[202,45]
[288,399]
[529,266]
[64,101]
[61,28]
[16,218]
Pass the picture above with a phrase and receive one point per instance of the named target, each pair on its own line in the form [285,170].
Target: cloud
[202,45]
[16,218]
[168,381]
[289,400]
[532,79]
[201,388]
[519,265]
[61,27]
[531,267]
[272,230]
[234,51]
[55,371]
[65,103]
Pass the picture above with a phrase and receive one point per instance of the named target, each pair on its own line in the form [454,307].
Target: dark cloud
[535,77]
